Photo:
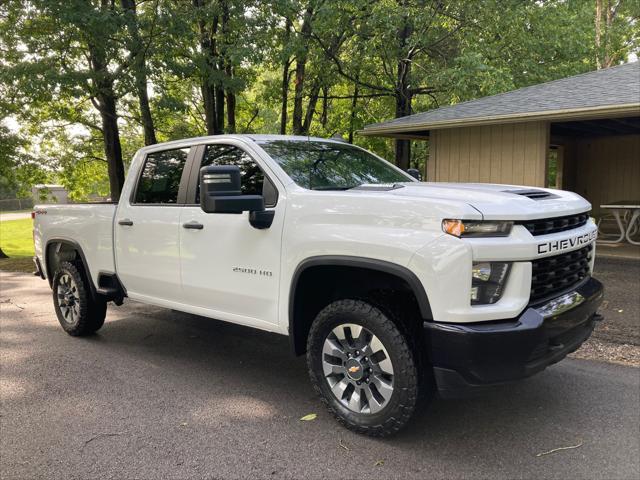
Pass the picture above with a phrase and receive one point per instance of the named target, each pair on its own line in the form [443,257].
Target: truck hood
[500,202]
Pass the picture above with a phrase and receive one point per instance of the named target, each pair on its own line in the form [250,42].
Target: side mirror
[415,173]
[220,191]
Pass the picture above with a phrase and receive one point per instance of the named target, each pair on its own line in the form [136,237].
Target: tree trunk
[286,77]
[227,67]
[208,99]
[325,107]
[106,105]
[285,97]
[605,16]
[403,108]
[231,112]
[311,109]
[112,148]
[211,92]
[298,94]
[403,94]
[598,22]
[136,50]
[301,64]
[219,109]
[352,116]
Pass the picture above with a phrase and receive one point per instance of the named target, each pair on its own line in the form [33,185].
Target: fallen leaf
[308,418]
[379,463]
[184,424]
[558,449]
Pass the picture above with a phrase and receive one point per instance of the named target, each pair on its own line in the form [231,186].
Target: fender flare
[359,262]
[76,246]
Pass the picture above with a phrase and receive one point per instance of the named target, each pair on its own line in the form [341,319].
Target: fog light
[487,282]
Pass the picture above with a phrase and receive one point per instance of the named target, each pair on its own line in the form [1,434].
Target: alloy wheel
[358,368]
[68,299]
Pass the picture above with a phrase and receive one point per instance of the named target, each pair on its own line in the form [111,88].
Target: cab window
[160,178]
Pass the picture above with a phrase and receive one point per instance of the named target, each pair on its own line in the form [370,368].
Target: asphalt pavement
[621,307]
[160,394]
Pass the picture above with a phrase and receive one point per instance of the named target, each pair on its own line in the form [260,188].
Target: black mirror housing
[415,173]
[220,191]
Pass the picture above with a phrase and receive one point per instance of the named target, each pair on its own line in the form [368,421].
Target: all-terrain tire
[78,313]
[401,405]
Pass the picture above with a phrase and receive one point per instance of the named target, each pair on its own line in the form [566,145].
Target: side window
[252,178]
[160,178]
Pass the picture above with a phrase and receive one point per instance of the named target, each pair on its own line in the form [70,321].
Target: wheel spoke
[346,334]
[334,348]
[339,388]
[333,357]
[374,406]
[354,401]
[379,356]
[384,388]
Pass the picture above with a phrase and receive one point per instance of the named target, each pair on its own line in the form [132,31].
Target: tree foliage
[90,81]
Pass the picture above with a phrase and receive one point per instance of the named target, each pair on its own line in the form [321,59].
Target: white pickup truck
[393,288]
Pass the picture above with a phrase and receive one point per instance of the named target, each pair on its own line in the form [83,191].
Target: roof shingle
[610,87]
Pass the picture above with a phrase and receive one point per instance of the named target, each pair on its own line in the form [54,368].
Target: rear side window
[252,177]
[160,178]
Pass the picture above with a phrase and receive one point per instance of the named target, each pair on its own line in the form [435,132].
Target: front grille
[545,226]
[553,275]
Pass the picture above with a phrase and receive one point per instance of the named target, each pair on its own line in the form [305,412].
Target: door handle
[126,222]
[193,225]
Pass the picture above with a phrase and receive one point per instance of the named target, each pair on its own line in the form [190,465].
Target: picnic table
[619,209]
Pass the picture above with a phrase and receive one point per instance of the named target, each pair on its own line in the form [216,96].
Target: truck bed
[89,225]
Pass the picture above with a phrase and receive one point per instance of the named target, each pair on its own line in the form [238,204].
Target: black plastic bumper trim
[472,357]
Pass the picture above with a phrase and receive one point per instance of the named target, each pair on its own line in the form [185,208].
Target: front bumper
[472,357]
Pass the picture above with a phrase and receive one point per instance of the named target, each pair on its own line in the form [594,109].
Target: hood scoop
[533,194]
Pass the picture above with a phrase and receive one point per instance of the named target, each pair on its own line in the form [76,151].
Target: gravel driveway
[158,394]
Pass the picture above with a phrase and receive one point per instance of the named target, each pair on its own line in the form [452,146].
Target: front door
[147,229]
[229,267]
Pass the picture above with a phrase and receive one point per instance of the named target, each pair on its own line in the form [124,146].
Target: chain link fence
[14,204]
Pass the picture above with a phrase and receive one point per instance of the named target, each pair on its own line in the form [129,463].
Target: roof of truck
[250,136]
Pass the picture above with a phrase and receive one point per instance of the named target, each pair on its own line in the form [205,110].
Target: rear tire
[78,313]
[363,368]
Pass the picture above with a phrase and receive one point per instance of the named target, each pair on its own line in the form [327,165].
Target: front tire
[78,313]
[363,368]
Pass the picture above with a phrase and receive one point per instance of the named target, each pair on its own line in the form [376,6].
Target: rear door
[147,228]
[229,267]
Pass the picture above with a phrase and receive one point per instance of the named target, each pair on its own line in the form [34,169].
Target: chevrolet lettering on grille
[566,243]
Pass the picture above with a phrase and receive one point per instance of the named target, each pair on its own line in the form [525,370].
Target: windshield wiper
[333,188]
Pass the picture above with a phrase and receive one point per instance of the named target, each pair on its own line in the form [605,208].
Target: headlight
[487,282]
[476,228]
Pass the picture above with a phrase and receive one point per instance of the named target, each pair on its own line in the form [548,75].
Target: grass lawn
[16,241]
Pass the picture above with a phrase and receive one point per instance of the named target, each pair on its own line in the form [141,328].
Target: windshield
[330,166]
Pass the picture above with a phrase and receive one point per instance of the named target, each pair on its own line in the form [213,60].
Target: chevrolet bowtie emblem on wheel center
[354,369]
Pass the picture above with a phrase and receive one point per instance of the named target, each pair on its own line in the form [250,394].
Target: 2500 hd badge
[559,245]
